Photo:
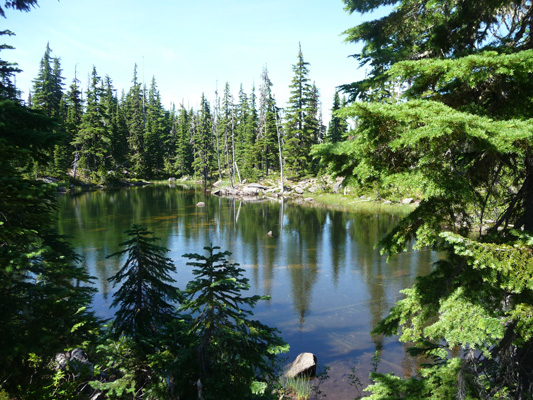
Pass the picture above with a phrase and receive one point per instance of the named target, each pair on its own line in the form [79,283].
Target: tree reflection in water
[329,284]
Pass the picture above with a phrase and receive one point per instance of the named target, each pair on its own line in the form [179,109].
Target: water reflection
[329,284]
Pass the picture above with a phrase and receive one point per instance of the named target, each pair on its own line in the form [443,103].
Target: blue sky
[191,47]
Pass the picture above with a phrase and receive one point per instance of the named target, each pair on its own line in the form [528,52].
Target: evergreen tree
[146,298]
[203,148]
[226,132]
[266,143]
[62,151]
[92,140]
[72,124]
[47,96]
[184,153]
[215,134]
[230,353]
[313,128]
[301,127]
[22,5]
[7,71]
[43,290]
[115,127]
[171,142]
[48,86]
[251,134]
[146,302]
[156,133]
[245,134]
[337,126]
[463,136]
[135,120]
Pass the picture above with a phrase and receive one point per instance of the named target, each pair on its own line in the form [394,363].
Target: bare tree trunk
[280,154]
[238,173]
[215,132]
[75,163]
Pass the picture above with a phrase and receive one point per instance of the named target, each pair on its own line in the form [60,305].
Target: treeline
[107,136]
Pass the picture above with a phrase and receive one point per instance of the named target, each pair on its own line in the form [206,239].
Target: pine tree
[43,289]
[301,127]
[184,153]
[146,299]
[48,86]
[226,132]
[72,124]
[203,147]
[156,133]
[251,134]
[462,135]
[92,142]
[266,143]
[337,125]
[22,5]
[229,351]
[245,134]
[171,142]
[215,134]
[116,131]
[146,302]
[313,127]
[7,71]
[135,119]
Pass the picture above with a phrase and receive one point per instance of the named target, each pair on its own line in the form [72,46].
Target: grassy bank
[355,204]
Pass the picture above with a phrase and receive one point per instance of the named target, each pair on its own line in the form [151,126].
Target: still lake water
[329,286]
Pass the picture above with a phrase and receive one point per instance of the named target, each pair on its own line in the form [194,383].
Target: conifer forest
[444,114]
[107,136]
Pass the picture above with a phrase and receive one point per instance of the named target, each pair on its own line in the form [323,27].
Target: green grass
[299,389]
[354,204]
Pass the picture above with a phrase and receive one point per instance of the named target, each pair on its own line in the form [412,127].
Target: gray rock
[49,180]
[61,360]
[217,183]
[407,200]
[387,202]
[312,189]
[337,187]
[172,179]
[78,355]
[257,186]
[76,358]
[303,367]
[269,233]
[309,199]
[298,190]
[62,189]
[200,204]
[250,191]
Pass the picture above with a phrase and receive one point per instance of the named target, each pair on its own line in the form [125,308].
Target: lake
[329,285]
